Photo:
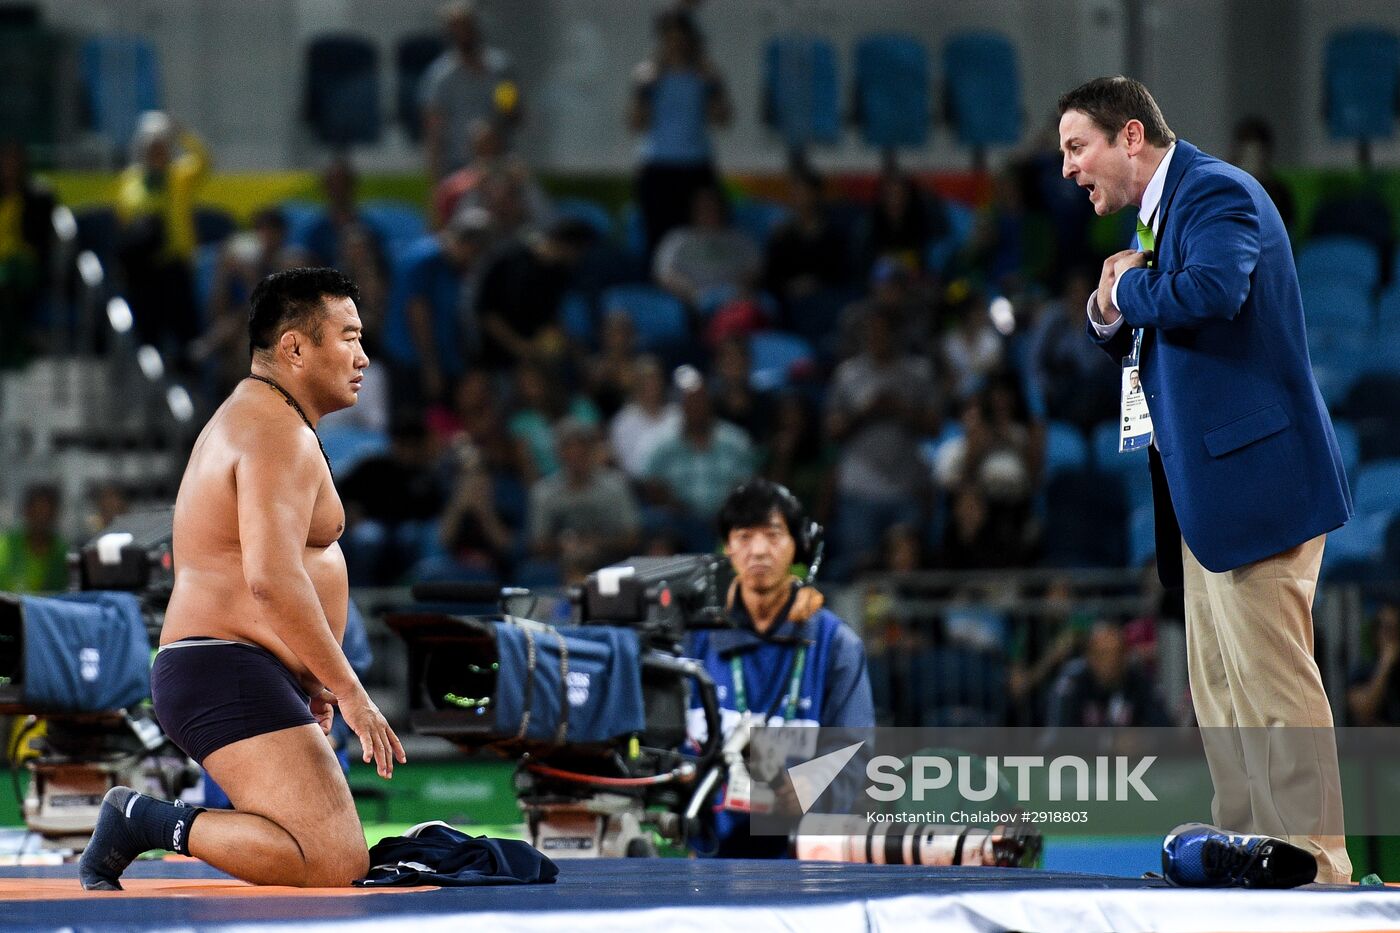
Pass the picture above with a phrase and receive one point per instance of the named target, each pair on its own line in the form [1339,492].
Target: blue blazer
[1245,443]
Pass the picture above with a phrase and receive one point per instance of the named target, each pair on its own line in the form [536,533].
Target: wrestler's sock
[127,825]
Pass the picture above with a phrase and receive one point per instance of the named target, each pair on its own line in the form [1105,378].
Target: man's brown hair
[1112,102]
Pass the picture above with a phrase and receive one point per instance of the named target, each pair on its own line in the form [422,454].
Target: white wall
[233,68]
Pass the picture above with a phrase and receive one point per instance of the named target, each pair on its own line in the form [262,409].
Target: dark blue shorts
[210,693]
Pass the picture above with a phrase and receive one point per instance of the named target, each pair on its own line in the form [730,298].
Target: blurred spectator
[735,399]
[470,81]
[26,248]
[584,514]
[156,239]
[542,399]
[903,220]
[108,500]
[476,537]
[440,274]
[1069,212]
[522,287]
[33,557]
[991,454]
[807,252]
[492,179]
[697,466]
[324,238]
[1010,245]
[608,374]
[1374,696]
[676,96]
[1040,646]
[1252,149]
[895,293]
[391,501]
[902,550]
[1078,383]
[365,265]
[1103,688]
[646,420]
[971,348]
[708,253]
[971,540]
[795,455]
[881,403]
[244,260]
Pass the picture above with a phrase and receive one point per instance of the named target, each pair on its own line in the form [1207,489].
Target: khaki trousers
[1265,721]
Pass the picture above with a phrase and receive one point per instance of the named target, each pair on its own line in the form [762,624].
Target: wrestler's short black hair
[1111,102]
[293,299]
[750,504]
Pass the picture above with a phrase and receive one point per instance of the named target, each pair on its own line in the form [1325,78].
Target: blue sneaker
[1196,855]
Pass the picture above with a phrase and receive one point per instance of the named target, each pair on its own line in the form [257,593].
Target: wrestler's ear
[289,347]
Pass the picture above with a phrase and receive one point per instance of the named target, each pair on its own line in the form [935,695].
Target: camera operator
[788,661]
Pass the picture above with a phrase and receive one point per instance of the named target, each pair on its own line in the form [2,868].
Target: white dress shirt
[1149,215]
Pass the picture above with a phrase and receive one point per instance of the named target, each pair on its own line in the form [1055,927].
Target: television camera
[596,712]
[76,668]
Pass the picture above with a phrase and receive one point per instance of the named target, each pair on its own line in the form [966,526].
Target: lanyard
[741,698]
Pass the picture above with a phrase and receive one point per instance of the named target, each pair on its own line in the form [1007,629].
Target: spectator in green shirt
[33,557]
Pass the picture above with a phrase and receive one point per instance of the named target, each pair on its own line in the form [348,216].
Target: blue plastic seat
[1142,534]
[398,223]
[801,90]
[213,225]
[348,447]
[1337,302]
[412,56]
[938,254]
[772,356]
[1339,260]
[758,218]
[658,316]
[590,212]
[342,89]
[892,90]
[1065,448]
[1361,77]
[1349,443]
[121,79]
[1358,543]
[1377,487]
[982,89]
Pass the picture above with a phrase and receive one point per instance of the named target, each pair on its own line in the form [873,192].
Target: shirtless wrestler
[250,664]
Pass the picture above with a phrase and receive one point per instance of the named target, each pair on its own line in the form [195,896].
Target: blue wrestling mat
[653,895]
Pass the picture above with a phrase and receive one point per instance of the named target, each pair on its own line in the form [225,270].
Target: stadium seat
[1142,534]
[590,212]
[1339,260]
[1065,449]
[892,90]
[1349,443]
[773,355]
[348,447]
[576,316]
[342,89]
[301,216]
[1354,552]
[1361,78]
[634,231]
[982,89]
[940,253]
[1388,311]
[801,90]
[1377,487]
[658,316]
[758,218]
[1338,303]
[213,225]
[412,56]
[398,223]
[121,79]
[1370,407]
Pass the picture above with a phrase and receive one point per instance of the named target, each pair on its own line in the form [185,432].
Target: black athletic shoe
[1196,855]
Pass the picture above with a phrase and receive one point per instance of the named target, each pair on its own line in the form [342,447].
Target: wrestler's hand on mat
[323,708]
[378,741]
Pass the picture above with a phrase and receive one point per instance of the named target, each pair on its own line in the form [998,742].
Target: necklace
[300,411]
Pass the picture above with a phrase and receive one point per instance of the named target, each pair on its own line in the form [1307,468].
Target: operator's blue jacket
[834,690]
